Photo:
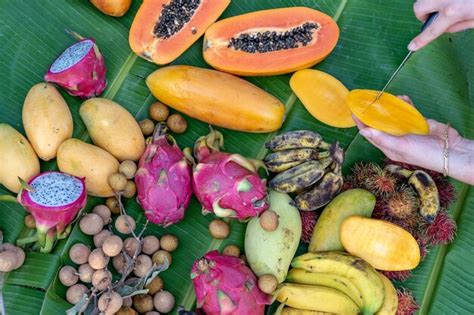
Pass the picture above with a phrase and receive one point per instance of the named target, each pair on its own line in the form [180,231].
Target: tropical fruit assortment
[376,230]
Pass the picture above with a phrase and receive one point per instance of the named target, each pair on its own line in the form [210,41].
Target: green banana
[427,192]
[327,280]
[283,160]
[294,140]
[300,176]
[359,272]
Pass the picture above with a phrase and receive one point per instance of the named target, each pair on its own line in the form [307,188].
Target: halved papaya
[163,29]
[270,42]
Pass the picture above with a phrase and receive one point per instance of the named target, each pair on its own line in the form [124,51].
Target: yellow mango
[113,128]
[17,158]
[323,96]
[47,120]
[382,244]
[388,114]
[82,159]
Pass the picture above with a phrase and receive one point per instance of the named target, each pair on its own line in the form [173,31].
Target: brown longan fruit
[159,111]
[125,224]
[12,256]
[127,302]
[101,279]
[113,204]
[110,302]
[147,126]
[126,310]
[152,313]
[130,246]
[104,212]
[128,168]
[85,273]
[163,301]
[143,264]
[130,189]
[150,244]
[169,242]
[30,221]
[158,258]
[91,224]
[219,229]
[231,250]
[119,262]
[143,303]
[267,283]
[176,123]
[269,220]
[117,181]
[79,253]
[100,237]
[74,293]
[98,259]
[155,285]
[112,245]
[68,276]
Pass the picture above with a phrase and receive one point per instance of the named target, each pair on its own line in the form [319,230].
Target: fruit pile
[307,166]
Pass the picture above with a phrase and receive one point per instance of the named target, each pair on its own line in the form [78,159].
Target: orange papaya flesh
[217,98]
[323,96]
[389,113]
[162,30]
[270,42]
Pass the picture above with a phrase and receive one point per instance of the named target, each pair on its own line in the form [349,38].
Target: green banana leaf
[374,35]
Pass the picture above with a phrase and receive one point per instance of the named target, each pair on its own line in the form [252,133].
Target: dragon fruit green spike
[227,185]
[80,69]
[163,180]
[54,199]
[225,285]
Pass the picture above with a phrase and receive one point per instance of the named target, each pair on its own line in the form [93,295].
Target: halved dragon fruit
[54,199]
[224,285]
[163,180]
[80,69]
[227,184]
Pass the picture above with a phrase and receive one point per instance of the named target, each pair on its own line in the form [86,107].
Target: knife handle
[429,20]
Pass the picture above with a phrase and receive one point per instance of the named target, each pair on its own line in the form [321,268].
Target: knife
[427,23]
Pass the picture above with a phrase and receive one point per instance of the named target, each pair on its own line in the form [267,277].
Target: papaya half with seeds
[270,42]
[217,98]
[389,113]
[163,29]
[323,96]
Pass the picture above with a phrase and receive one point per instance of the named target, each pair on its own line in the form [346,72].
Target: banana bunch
[335,282]
[307,166]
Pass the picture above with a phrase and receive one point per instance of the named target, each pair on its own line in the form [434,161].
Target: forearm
[461,161]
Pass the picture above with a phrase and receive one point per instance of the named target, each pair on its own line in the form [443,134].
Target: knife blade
[427,23]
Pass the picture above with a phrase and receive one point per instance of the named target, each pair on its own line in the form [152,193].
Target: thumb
[382,140]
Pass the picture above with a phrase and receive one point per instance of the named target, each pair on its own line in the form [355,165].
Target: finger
[461,26]
[382,140]
[436,29]
[406,98]
[359,123]
[423,8]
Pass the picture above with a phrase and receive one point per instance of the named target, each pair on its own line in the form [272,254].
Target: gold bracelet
[446,151]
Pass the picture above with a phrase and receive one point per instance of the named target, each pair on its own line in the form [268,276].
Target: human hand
[426,150]
[454,16]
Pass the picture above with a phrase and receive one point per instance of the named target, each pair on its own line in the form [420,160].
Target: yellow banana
[315,298]
[294,140]
[398,170]
[427,192]
[359,272]
[296,311]
[390,303]
[282,160]
[337,282]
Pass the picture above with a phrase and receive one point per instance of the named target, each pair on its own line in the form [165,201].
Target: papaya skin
[217,98]
[388,114]
[221,57]
[115,8]
[17,158]
[163,51]
[47,120]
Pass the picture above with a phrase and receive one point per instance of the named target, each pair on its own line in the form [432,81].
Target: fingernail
[366,133]
[412,46]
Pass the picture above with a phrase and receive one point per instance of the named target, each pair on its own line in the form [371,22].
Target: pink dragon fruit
[224,285]
[227,184]
[54,199]
[163,180]
[80,69]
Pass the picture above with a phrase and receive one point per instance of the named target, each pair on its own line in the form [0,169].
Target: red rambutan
[406,302]
[424,246]
[398,275]
[308,221]
[442,231]
[402,204]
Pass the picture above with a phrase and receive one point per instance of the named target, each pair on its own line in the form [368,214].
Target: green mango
[348,203]
[272,252]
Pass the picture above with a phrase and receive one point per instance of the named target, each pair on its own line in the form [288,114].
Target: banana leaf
[374,35]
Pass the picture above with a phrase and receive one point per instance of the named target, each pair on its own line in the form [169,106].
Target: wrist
[461,161]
